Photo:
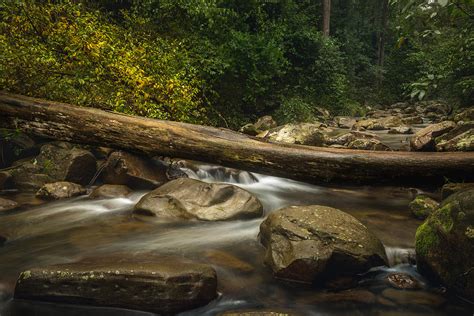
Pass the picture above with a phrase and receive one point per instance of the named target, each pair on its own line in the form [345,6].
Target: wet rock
[346,138]
[247,312]
[378,124]
[460,138]
[451,188]
[368,144]
[265,123]
[315,243]
[110,191]
[190,198]
[60,190]
[422,206]
[445,244]
[401,297]
[163,286]
[356,296]
[249,129]
[345,121]
[133,171]
[302,133]
[410,120]
[401,130]
[57,161]
[15,146]
[465,116]
[227,260]
[403,281]
[3,240]
[424,139]
[7,205]
[5,180]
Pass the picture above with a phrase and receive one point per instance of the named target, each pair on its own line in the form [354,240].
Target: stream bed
[66,231]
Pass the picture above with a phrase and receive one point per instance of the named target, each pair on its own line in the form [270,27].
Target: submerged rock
[402,297]
[247,312]
[424,139]
[190,198]
[445,244]
[355,296]
[57,161]
[60,190]
[302,133]
[403,281]
[163,286]
[6,205]
[311,244]
[110,191]
[422,206]
[134,171]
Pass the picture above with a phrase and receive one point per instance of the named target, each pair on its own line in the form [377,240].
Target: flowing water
[70,230]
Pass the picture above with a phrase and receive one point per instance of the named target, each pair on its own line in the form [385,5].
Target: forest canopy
[226,62]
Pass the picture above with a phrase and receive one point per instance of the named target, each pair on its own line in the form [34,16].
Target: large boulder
[445,244]
[57,161]
[60,190]
[163,287]
[378,123]
[424,139]
[345,121]
[133,171]
[265,123]
[410,120]
[368,144]
[357,140]
[401,130]
[189,198]
[7,205]
[312,134]
[311,244]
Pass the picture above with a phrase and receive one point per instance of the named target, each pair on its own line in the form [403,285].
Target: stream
[69,230]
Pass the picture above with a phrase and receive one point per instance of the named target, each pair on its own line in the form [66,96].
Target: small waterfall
[398,256]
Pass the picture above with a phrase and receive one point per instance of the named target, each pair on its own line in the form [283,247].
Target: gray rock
[303,133]
[133,171]
[345,121]
[162,286]
[424,139]
[7,205]
[382,123]
[190,198]
[460,138]
[410,120]
[346,138]
[311,244]
[368,144]
[60,190]
[445,244]
[265,123]
[110,191]
[401,130]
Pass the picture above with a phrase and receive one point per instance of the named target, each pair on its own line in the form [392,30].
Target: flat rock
[311,244]
[6,205]
[164,286]
[60,190]
[403,281]
[189,198]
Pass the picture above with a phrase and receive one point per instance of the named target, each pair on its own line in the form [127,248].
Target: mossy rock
[445,244]
[422,206]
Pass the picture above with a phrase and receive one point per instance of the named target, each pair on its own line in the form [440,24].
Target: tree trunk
[382,34]
[326,17]
[221,146]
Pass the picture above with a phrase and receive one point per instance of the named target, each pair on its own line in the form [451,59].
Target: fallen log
[221,146]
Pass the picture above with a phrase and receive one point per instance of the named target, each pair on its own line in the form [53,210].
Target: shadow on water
[70,230]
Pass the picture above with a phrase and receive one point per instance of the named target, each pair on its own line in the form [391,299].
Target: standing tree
[326,16]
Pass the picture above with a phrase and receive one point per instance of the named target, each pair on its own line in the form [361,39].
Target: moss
[422,206]
[443,217]
[425,239]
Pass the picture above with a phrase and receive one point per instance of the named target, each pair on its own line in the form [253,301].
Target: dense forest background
[226,62]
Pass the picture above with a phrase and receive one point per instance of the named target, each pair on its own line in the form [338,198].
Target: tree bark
[326,17]
[221,146]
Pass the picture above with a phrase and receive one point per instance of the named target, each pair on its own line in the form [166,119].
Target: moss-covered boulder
[445,244]
[422,206]
[451,188]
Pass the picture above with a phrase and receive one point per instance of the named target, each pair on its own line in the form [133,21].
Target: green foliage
[66,52]
[295,110]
